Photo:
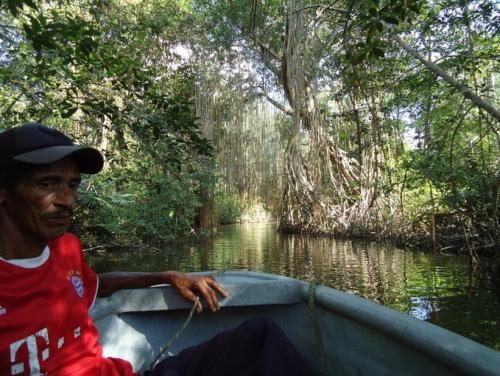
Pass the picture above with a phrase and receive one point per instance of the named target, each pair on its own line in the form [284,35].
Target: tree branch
[266,48]
[266,52]
[322,9]
[466,92]
[276,104]
[3,26]
[14,102]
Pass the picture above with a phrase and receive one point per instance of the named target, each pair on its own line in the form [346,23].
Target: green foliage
[89,64]
[125,210]
[228,208]
[104,73]
[372,20]
[463,170]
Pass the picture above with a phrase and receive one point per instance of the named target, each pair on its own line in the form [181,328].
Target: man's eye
[46,184]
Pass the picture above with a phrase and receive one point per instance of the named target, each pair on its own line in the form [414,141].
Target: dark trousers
[256,347]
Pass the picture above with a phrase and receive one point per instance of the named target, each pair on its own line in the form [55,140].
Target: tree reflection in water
[434,288]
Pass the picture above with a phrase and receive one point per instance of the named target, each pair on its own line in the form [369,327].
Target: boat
[337,333]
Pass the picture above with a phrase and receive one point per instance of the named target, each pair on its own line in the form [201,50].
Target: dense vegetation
[354,118]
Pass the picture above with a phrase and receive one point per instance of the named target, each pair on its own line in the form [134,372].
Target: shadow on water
[436,288]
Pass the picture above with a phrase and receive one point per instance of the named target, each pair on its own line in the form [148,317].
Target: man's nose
[66,196]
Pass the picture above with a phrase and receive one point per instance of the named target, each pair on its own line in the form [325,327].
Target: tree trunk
[207,216]
[318,172]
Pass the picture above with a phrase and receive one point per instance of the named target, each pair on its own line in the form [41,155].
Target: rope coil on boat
[317,328]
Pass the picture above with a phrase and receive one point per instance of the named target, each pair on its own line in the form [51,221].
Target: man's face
[41,204]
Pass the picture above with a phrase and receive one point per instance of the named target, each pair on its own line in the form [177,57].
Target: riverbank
[448,238]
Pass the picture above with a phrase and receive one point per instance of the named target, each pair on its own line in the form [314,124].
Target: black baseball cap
[37,144]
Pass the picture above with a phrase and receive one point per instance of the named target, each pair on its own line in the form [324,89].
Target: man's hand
[189,285]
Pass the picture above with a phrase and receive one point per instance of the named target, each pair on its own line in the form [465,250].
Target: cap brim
[89,160]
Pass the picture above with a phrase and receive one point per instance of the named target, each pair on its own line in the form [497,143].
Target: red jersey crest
[76,280]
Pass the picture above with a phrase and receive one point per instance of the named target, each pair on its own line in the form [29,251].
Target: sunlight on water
[438,289]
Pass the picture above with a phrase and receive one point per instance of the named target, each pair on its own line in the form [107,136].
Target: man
[46,287]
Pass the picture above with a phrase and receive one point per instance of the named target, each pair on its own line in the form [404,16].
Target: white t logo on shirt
[33,362]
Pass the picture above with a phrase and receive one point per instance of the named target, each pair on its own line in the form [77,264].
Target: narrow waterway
[440,289]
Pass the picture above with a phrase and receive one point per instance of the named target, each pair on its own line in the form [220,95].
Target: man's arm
[186,285]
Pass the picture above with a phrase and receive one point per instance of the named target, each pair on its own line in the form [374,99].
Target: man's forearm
[113,281]
[188,286]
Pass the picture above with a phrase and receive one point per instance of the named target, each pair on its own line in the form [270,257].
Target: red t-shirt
[45,327]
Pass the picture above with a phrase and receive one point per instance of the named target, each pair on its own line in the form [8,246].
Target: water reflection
[423,307]
[434,288]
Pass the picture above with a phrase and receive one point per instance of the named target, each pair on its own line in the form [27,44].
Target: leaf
[47,40]
[399,10]
[378,52]
[37,45]
[27,29]
[69,112]
[35,25]
[358,58]
[31,4]
[371,33]
[391,20]
[12,4]
[414,7]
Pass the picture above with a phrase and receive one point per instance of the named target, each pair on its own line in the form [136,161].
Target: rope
[181,330]
[317,328]
[176,336]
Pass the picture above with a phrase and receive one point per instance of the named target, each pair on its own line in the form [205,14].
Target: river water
[437,288]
